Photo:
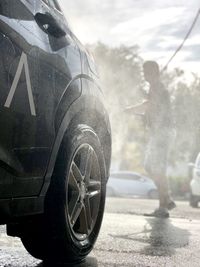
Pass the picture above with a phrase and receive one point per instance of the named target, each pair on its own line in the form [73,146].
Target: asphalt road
[128,238]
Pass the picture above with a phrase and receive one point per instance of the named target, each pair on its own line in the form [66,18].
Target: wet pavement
[128,238]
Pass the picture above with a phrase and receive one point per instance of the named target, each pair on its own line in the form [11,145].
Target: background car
[131,184]
[195,183]
[55,138]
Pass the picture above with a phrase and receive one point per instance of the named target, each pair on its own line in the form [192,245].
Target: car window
[46,2]
[52,3]
[127,176]
[55,4]
[117,175]
[134,177]
[15,10]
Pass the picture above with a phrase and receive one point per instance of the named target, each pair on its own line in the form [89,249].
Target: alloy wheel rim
[84,192]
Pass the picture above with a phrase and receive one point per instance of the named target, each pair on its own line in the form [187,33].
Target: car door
[134,185]
[138,185]
[40,59]
[27,98]
[17,99]
[65,61]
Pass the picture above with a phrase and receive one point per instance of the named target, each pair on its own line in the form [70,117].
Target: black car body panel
[47,81]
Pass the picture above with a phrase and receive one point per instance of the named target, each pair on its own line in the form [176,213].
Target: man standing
[157,112]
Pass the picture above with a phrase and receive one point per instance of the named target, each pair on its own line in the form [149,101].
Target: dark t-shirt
[158,114]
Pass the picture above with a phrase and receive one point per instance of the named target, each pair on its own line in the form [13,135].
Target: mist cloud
[156,26]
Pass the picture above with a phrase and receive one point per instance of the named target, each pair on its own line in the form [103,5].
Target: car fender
[69,95]
[89,109]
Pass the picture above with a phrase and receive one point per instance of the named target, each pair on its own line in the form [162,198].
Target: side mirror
[49,25]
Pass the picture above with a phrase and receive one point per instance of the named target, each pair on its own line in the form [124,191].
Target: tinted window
[46,2]
[15,10]
[127,176]
[54,4]
[116,175]
[57,5]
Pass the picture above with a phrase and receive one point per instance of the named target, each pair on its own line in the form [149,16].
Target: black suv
[55,141]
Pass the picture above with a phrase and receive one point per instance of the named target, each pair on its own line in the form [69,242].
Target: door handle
[49,24]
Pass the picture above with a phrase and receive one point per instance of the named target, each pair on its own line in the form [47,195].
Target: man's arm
[138,109]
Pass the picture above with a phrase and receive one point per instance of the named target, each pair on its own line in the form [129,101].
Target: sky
[157,27]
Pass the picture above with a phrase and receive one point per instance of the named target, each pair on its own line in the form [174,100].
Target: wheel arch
[87,109]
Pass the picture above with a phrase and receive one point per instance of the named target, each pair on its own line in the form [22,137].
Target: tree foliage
[121,74]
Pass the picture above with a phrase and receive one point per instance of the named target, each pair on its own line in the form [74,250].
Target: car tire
[153,194]
[194,200]
[75,201]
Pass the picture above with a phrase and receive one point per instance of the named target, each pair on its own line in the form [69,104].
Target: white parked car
[195,183]
[130,184]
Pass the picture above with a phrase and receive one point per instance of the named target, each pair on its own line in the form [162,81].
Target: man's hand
[138,109]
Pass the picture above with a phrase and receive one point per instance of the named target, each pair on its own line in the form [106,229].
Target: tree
[121,74]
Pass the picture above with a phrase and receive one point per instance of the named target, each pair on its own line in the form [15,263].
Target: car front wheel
[75,202]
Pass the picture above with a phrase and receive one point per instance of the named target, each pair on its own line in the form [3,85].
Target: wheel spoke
[88,212]
[76,172]
[94,188]
[88,165]
[73,182]
[83,222]
[83,160]
[94,193]
[76,212]
[74,198]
